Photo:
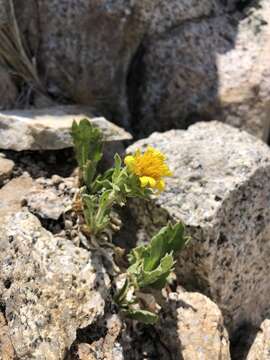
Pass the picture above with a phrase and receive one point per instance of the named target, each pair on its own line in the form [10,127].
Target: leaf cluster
[149,267]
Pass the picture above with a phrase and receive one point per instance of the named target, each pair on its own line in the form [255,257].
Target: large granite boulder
[153,65]
[49,288]
[221,192]
[215,67]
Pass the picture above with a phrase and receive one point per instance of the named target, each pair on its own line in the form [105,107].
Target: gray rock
[141,61]
[192,328]
[50,288]
[106,347]
[215,67]
[260,350]
[170,14]
[47,203]
[12,194]
[87,48]
[6,167]
[221,191]
[49,129]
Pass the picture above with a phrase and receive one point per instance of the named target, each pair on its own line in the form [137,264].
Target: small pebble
[62,186]
[73,233]
[56,179]
[68,224]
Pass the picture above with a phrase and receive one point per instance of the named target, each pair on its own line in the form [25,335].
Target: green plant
[140,176]
[149,268]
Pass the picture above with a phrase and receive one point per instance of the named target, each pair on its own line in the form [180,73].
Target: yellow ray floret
[150,167]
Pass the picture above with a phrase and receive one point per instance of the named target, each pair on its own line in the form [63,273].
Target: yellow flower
[150,167]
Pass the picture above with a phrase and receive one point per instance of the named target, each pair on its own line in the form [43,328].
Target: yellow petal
[144,181]
[129,161]
[160,185]
[147,180]
[152,182]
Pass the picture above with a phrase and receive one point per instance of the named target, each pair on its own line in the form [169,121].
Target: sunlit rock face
[221,192]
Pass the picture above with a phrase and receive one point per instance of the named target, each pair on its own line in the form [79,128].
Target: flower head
[150,167]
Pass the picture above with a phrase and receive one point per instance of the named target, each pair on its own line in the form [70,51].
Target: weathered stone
[86,48]
[12,193]
[221,191]
[6,347]
[49,129]
[48,203]
[86,54]
[170,14]
[215,67]
[192,328]
[6,167]
[106,347]
[260,349]
[50,288]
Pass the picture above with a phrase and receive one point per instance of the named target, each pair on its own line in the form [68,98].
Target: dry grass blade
[13,55]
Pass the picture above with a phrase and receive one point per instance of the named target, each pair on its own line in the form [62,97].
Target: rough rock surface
[48,203]
[192,328]
[260,349]
[216,67]
[12,194]
[221,191]
[6,347]
[49,129]
[6,167]
[107,347]
[155,64]
[49,288]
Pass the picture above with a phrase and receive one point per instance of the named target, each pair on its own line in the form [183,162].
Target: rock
[220,190]
[106,347]
[260,349]
[6,167]
[49,129]
[141,70]
[47,203]
[8,90]
[87,51]
[50,288]
[205,68]
[192,328]
[6,347]
[12,194]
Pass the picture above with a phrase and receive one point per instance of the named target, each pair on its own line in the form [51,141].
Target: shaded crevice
[243,4]
[242,340]
[133,84]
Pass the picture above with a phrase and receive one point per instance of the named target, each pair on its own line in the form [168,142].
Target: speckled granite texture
[221,191]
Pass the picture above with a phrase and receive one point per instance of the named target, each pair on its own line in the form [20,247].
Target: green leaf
[137,254]
[170,238]
[88,147]
[104,199]
[165,267]
[144,316]
[117,162]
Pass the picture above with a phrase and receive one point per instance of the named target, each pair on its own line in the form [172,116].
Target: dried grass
[13,55]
